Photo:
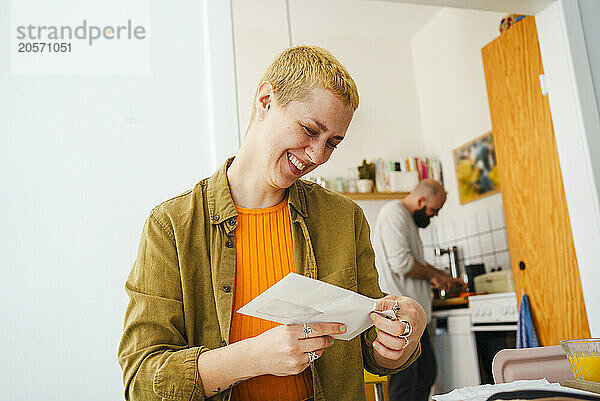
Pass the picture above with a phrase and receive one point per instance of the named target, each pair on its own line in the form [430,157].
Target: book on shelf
[402,174]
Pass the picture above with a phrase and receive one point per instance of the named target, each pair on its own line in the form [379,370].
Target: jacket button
[232,221]
[226,288]
[229,243]
[216,217]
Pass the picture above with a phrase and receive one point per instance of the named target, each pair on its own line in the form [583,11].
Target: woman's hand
[284,350]
[389,344]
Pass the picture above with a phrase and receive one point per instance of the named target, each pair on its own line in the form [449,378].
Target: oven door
[490,339]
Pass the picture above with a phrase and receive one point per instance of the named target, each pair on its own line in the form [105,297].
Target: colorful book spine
[424,167]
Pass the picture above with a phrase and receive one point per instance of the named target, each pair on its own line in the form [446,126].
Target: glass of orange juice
[584,358]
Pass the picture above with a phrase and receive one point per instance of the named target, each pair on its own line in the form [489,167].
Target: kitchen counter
[457,302]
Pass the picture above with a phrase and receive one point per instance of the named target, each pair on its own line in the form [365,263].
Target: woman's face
[302,136]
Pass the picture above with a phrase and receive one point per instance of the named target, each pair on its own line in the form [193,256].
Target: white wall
[454,110]
[567,61]
[452,93]
[590,12]
[219,84]
[260,33]
[84,159]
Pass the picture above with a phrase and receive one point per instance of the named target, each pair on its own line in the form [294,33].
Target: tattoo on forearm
[235,384]
[219,389]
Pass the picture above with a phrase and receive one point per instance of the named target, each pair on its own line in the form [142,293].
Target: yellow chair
[377,382]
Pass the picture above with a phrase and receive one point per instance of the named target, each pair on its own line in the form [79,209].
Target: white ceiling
[375,18]
[370,18]
[529,7]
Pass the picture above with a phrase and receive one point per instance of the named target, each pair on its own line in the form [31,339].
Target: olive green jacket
[181,298]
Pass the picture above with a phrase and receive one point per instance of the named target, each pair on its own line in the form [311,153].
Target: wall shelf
[375,195]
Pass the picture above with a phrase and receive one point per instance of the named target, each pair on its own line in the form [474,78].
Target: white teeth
[296,162]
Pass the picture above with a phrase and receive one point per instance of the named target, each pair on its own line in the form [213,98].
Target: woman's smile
[296,165]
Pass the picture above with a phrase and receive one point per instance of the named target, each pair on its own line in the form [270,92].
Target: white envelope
[296,299]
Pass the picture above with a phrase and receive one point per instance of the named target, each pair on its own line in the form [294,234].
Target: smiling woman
[209,251]
[302,108]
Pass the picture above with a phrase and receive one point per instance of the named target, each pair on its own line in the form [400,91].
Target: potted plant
[366,177]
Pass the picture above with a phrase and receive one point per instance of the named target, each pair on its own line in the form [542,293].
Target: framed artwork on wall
[476,169]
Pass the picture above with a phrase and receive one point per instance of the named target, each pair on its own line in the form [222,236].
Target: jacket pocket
[344,277]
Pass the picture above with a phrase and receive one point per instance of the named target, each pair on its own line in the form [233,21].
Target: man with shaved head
[404,271]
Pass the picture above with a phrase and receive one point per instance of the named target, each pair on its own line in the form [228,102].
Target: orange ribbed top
[264,256]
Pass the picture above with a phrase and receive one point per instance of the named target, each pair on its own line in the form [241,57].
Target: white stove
[494,308]
[494,323]
[467,339]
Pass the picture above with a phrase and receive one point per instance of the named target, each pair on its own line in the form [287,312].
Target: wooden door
[537,220]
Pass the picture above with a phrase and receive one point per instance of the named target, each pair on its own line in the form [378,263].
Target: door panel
[537,220]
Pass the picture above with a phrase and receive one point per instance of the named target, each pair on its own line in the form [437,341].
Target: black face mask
[420,217]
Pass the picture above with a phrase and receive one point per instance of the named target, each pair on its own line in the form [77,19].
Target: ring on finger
[307,330]
[407,330]
[396,308]
[312,356]
[406,342]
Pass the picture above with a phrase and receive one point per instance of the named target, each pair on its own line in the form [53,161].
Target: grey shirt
[397,245]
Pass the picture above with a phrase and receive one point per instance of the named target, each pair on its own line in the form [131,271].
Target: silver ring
[307,330]
[408,330]
[312,356]
[396,308]
[407,342]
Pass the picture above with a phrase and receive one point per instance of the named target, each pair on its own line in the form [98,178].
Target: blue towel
[526,335]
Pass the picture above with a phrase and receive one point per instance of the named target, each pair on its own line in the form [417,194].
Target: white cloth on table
[484,391]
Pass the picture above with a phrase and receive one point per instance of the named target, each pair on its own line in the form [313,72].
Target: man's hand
[443,281]
[437,278]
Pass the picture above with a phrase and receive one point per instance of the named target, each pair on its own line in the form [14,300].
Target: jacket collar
[297,198]
[220,203]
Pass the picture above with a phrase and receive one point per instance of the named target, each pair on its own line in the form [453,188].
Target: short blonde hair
[297,70]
